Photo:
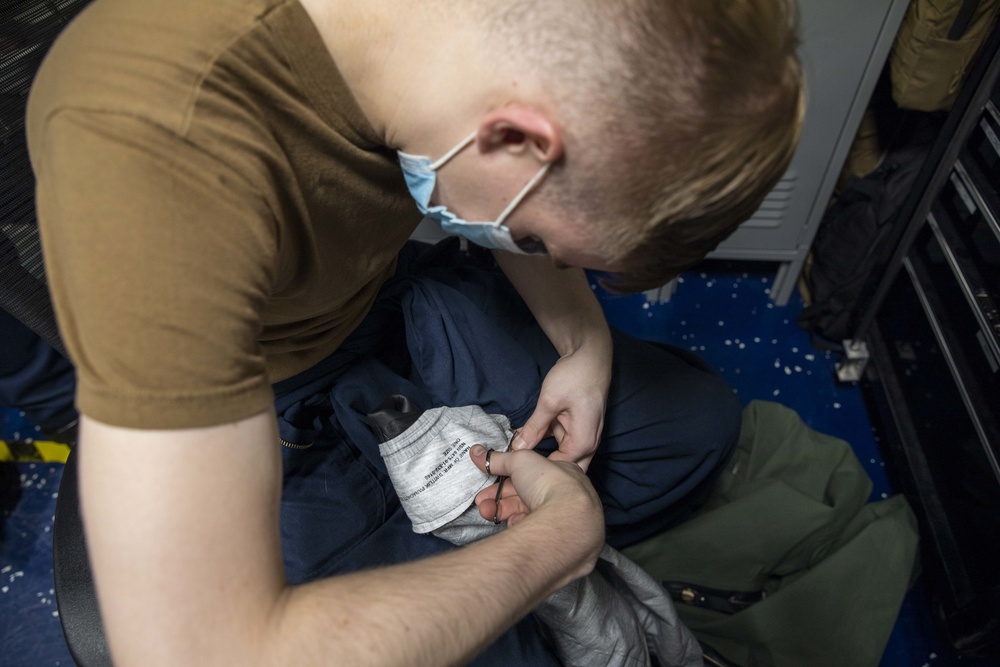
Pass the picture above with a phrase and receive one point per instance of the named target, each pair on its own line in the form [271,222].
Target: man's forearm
[560,299]
[574,393]
[439,611]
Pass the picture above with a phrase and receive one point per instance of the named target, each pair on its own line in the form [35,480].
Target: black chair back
[27,30]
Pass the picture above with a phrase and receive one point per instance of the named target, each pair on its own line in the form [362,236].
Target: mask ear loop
[524,193]
[453,152]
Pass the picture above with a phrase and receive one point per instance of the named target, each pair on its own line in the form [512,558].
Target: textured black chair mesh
[27,30]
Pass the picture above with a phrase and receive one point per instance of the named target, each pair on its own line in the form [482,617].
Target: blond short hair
[680,116]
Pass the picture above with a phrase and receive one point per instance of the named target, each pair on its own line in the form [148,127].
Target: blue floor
[726,316]
[30,634]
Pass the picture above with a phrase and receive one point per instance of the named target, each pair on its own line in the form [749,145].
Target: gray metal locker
[844,46]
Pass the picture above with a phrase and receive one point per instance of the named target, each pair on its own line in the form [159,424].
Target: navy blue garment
[447,331]
[34,377]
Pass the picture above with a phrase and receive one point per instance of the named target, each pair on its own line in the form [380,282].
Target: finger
[559,432]
[536,428]
[509,507]
[487,509]
[582,460]
[578,440]
[573,451]
[510,502]
[489,493]
[499,461]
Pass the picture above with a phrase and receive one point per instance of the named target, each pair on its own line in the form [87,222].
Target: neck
[417,71]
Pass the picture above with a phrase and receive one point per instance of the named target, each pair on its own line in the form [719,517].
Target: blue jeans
[446,331]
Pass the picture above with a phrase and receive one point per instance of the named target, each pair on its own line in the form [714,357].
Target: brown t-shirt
[216,212]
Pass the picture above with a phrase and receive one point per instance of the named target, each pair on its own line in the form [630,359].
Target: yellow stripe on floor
[34,451]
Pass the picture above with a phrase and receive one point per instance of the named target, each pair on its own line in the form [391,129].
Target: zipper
[292,445]
[709,659]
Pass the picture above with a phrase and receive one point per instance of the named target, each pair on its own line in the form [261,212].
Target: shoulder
[145,58]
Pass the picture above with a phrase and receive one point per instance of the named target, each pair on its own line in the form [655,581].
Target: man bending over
[223,191]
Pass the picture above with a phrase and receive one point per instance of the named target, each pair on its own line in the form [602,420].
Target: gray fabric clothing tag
[469,527]
[429,463]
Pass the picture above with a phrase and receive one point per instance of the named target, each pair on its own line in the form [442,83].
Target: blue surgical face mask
[421,176]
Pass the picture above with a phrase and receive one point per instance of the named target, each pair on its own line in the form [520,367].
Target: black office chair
[27,30]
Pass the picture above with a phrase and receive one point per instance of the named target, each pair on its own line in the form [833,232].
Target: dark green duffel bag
[787,563]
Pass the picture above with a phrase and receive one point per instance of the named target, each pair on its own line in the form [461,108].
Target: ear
[517,129]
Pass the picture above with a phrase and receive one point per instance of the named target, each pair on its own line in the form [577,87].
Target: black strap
[963,20]
[726,602]
[75,594]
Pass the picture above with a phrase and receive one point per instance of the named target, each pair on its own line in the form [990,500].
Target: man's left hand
[571,405]
[574,393]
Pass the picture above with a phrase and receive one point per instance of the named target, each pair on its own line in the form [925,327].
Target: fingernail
[477,450]
[519,443]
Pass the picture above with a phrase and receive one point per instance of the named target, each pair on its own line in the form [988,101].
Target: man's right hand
[559,489]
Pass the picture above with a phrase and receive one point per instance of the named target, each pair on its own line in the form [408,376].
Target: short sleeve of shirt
[160,262]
